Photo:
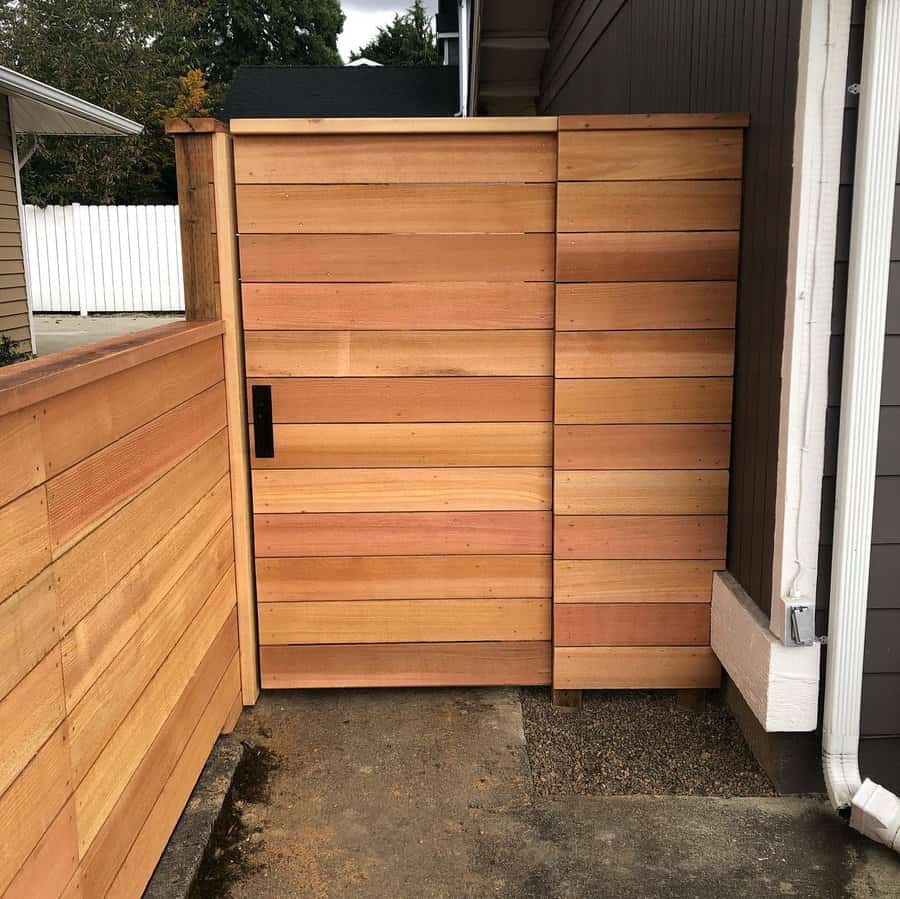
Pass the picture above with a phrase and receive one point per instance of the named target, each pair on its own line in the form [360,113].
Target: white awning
[38,108]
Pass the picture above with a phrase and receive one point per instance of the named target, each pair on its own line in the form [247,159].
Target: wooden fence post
[203,157]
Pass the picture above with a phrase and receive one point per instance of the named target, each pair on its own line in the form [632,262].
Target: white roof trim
[42,109]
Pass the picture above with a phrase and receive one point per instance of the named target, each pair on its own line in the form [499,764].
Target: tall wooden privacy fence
[118,621]
[413,292]
[103,258]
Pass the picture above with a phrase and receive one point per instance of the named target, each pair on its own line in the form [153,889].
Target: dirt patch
[232,851]
[638,743]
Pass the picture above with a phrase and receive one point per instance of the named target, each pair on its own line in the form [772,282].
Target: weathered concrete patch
[423,794]
[180,862]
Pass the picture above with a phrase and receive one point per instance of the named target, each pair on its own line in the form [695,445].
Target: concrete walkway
[428,793]
[53,333]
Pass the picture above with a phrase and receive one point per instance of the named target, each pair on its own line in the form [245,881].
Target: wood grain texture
[29,714]
[28,629]
[640,537]
[36,380]
[469,305]
[653,120]
[649,206]
[387,159]
[633,581]
[400,257]
[401,490]
[648,256]
[186,725]
[22,459]
[635,668]
[646,306]
[80,422]
[84,495]
[404,621]
[396,208]
[402,577]
[398,353]
[88,571]
[406,125]
[641,492]
[643,400]
[644,354]
[22,558]
[641,446]
[631,624]
[403,445]
[641,155]
[400,534]
[420,399]
[406,665]
[33,802]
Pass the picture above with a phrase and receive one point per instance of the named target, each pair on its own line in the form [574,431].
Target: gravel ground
[638,743]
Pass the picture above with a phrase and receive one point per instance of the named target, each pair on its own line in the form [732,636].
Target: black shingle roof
[343,92]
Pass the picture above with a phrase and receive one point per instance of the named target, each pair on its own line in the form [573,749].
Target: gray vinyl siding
[13,305]
[880,746]
[646,56]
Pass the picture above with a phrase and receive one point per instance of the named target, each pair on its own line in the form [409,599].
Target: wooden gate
[437,315]
[398,301]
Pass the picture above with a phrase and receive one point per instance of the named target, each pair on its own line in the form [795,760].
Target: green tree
[260,32]
[408,41]
[133,56]
[125,55]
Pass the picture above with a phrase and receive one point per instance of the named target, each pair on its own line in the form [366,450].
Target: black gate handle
[263,436]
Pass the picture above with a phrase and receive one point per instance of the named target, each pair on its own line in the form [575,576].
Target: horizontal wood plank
[631,624]
[649,206]
[84,495]
[402,534]
[643,400]
[21,453]
[644,354]
[466,305]
[404,257]
[406,665]
[404,621]
[648,256]
[395,208]
[80,422]
[398,353]
[402,577]
[401,490]
[640,536]
[642,155]
[421,399]
[25,556]
[403,445]
[387,159]
[641,492]
[633,581]
[645,306]
[635,668]
[653,120]
[406,125]
[641,446]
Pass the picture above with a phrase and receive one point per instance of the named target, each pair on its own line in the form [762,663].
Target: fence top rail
[27,383]
[639,122]
[433,125]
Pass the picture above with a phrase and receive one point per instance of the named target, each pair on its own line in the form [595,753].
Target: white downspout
[464,57]
[874,810]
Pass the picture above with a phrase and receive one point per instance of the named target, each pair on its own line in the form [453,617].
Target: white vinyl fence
[104,258]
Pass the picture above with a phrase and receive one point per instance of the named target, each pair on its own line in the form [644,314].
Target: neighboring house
[787,64]
[30,107]
[342,91]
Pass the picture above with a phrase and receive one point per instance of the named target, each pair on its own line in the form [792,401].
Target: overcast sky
[364,17]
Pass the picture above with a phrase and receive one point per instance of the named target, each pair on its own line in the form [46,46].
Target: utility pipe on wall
[874,810]
[463,57]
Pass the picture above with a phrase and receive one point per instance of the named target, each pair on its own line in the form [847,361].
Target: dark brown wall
[642,56]
[880,747]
